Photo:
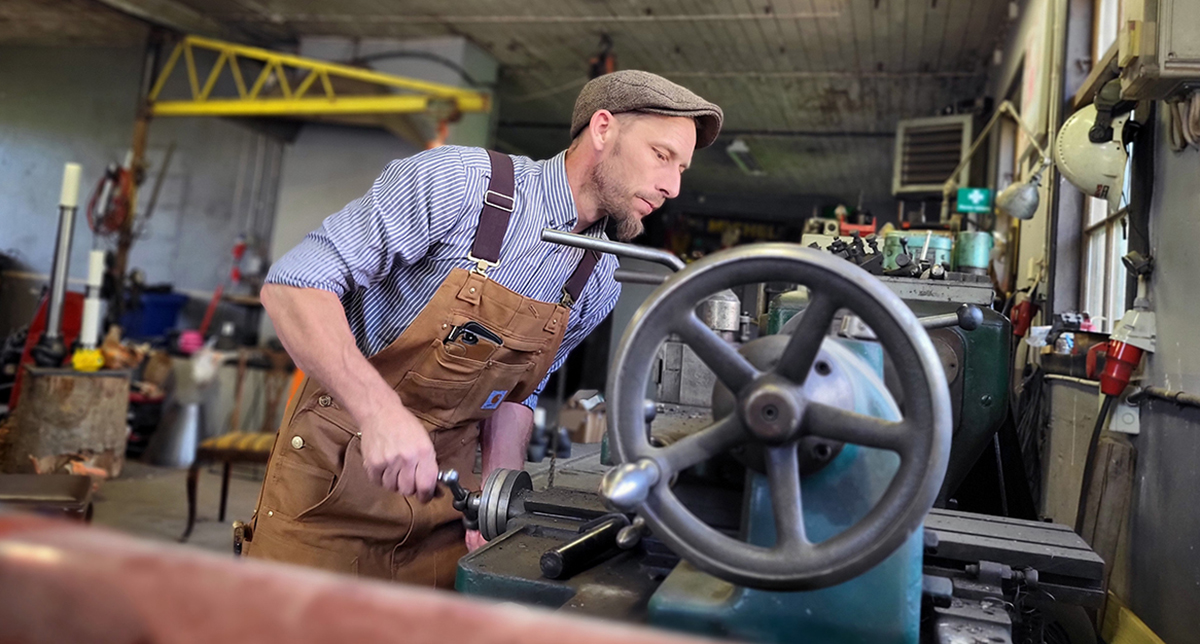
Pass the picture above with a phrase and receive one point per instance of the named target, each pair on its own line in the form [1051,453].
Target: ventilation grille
[927,151]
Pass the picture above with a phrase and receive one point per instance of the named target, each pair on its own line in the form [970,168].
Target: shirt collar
[556,191]
[560,202]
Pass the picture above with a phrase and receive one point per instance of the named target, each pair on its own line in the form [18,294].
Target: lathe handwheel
[774,410]
[495,500]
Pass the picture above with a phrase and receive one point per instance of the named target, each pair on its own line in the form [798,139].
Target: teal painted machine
[797,508]
[836,497]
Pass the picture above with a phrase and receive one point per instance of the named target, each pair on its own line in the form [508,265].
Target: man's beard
[612,201]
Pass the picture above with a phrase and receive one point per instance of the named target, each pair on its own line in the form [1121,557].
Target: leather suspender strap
[498,206]
[579,279]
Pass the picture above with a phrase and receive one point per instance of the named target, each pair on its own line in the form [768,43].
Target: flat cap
[633,90]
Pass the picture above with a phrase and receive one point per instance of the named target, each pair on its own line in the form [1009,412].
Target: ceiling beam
[173,15]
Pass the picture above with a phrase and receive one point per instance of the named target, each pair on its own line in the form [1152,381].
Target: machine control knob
[464,501]
[968,317]
[627,486]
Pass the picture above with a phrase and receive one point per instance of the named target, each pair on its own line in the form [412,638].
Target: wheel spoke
[715,439]
[798,356]
[729,366]
[849,427]
[783,472]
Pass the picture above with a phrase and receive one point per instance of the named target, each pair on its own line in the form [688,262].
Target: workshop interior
[887,369]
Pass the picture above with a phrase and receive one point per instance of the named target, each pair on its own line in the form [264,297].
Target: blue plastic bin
[158,313]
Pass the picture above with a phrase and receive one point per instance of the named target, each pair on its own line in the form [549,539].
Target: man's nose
[669,184]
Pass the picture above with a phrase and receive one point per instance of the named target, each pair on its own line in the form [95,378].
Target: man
[427,315]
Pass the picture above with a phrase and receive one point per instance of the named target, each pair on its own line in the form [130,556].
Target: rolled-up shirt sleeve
[414,201]
[592,309]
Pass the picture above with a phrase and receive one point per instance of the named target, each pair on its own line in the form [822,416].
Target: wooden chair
[241,446]
[227,449]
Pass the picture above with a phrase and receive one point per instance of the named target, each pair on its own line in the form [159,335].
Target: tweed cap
[633,90]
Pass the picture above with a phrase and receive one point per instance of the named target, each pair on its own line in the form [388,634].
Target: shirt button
[325,400]
[297,442]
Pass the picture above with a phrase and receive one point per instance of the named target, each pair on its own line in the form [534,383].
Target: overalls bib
[317,507]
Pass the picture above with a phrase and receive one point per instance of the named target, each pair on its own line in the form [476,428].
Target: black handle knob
[969,317]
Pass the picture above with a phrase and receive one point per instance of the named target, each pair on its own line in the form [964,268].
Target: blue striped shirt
[386,253]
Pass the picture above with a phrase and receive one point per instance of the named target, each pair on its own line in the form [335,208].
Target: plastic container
[156,314]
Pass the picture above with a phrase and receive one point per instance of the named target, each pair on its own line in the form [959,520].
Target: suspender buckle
[481,265]
[566,299]
[491,196]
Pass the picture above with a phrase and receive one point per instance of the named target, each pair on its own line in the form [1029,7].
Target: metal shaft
[615,248]
[58,275]
[638,277]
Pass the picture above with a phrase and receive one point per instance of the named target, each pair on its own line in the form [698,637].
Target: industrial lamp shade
[1020,200]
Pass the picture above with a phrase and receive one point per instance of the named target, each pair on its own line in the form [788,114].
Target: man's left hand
[475,540]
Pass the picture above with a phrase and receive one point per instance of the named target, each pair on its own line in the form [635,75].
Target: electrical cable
[1089,465]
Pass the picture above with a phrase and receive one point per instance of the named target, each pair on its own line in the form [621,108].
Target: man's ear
[603,129]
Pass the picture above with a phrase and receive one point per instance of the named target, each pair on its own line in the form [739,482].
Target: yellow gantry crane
[288,86]
[303,99]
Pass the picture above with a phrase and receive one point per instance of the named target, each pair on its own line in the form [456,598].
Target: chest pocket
[453,384]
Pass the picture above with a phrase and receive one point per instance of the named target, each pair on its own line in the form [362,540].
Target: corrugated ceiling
[815,87]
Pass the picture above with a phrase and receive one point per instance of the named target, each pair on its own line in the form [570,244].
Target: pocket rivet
[325,400]
[297,442]
[270,513]
[472,289]
[444,326]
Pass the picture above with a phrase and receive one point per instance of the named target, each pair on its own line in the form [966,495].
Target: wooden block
[1109,497]
[68,421]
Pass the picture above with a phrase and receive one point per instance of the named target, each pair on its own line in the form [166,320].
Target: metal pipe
[614,248]
[1161,393]
[637,277]
[67,203]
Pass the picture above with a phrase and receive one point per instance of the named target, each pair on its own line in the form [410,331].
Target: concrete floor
[151,502]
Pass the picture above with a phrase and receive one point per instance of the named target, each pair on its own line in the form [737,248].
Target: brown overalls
[317,507]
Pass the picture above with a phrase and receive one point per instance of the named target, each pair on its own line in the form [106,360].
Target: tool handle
[585,551]
[464,501]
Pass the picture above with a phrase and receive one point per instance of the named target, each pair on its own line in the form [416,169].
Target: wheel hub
[772,410]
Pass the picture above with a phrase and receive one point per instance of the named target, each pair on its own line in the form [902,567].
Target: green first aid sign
[974,200]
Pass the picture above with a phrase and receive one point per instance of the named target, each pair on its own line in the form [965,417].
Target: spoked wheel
[775,411]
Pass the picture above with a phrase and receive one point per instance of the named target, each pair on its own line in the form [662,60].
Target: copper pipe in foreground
[64,582]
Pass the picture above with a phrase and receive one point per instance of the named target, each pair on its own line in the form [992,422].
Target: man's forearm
[312,326]
[505,436]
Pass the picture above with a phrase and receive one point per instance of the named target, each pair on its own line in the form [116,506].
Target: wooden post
[68,421]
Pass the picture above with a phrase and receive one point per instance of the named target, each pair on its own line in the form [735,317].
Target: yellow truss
[285,100]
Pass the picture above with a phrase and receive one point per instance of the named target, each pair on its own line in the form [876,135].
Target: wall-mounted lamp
[1019,200]
[740,153]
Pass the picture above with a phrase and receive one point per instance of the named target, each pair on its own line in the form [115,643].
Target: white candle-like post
[70,186]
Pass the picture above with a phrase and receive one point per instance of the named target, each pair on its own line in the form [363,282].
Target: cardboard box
[584,426]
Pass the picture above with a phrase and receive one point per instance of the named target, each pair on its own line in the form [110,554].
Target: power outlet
[1125,418]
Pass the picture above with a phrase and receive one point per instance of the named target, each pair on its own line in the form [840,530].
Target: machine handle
[584,551]
[968,317]
[616,248]
[464,501]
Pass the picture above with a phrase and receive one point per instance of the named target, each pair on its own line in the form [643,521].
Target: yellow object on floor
[1121,626]
[87,360]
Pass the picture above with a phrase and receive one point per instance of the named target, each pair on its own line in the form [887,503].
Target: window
[1106,240]
[1105,236]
